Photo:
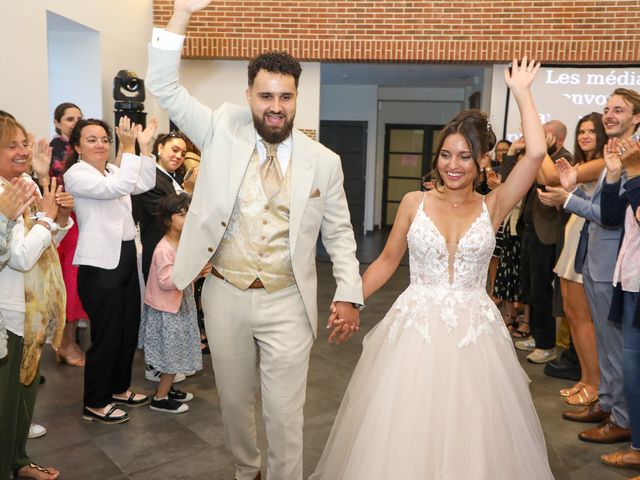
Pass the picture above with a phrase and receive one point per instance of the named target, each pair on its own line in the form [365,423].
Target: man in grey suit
[264,192]
[597,262]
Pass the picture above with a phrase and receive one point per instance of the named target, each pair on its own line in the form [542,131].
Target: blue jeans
[631,365]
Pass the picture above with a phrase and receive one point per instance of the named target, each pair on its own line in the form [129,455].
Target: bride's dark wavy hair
[476,129]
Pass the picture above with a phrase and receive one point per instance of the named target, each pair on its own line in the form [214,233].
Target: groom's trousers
[253,332]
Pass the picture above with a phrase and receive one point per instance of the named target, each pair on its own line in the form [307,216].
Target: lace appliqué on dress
[433,295]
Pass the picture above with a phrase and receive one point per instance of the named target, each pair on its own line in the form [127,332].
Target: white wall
[124,27]
[74,66]
[356,103]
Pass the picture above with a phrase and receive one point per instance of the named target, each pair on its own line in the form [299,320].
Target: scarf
[45,302]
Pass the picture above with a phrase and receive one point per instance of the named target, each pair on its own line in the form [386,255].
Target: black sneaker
[179,395]
[168,405]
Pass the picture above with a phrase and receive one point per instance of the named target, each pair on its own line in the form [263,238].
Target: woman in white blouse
[32,300]
[106,255]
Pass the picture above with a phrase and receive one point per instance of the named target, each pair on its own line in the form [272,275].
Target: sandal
[509,321]
[523,330]
[583,398]
[36,472]
[569,392]
[107,418]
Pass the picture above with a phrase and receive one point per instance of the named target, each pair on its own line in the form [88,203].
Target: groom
[263,193]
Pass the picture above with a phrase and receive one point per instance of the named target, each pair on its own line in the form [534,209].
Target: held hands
[521,76]
[16,197]
[145,137]
[344,320]
[568,174]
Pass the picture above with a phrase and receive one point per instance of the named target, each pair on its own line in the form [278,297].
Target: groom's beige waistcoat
[256,242]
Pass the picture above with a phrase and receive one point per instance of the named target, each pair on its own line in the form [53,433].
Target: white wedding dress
[438,393]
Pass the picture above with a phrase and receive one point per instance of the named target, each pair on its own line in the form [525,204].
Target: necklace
[458,203]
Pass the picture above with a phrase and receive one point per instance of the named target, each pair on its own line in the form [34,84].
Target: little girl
[169,330]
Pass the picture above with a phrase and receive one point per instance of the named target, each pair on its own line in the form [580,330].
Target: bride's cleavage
[452,248]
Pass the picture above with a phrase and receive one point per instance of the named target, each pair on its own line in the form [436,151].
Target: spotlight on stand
[129,95]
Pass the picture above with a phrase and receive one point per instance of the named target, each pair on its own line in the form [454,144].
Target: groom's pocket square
[315,193]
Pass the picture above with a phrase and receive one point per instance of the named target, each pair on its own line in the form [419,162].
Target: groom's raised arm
[162,80]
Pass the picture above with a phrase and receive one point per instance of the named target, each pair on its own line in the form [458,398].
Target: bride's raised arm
[502,200]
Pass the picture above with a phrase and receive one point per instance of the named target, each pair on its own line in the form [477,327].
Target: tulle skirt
[438,394]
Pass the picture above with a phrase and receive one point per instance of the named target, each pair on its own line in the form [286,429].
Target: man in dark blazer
[541,225]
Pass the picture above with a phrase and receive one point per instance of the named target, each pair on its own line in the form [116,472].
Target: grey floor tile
[190,446]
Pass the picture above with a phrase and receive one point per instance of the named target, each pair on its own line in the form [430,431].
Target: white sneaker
[528,345]
[36,430]
[153,375]
[543,356]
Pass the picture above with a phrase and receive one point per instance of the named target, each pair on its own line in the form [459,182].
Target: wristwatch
[357,306]
[51,224]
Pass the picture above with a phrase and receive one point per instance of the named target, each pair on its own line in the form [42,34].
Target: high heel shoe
[78,362]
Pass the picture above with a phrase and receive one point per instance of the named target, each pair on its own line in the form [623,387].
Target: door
[407,158]
[349,140]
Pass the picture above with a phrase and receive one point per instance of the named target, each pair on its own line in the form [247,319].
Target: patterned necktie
[270,171]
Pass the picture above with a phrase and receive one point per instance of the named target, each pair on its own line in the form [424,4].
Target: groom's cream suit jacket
[227,139]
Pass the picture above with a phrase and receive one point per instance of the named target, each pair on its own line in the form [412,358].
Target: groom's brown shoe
[591,414]
[606,432]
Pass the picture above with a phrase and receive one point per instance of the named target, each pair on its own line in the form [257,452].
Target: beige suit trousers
[253,332]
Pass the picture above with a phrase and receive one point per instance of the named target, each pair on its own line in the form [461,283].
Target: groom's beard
[271,134]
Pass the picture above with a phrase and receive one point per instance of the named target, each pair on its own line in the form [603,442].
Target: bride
[438,393]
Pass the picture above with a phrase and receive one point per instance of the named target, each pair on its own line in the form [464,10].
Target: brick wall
[555,31]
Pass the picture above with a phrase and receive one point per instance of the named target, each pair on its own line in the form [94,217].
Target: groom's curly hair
[274,62]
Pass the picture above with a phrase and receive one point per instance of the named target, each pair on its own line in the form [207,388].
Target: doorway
[408,150]
[349,140]
[74,66]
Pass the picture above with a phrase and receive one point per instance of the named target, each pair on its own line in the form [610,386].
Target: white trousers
[253,328]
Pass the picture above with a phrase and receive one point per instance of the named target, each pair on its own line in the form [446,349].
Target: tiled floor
[190,446]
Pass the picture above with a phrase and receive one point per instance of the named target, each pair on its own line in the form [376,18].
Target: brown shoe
[606,432]
[628,459]
[591,414]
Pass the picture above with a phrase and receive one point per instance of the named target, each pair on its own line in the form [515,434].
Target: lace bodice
[464,267]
